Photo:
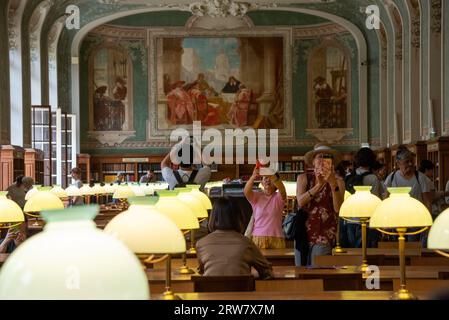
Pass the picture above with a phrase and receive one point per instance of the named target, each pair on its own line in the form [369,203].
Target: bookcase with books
[34,165]
[438,153]
[83,162]
[291,168]
[12,161]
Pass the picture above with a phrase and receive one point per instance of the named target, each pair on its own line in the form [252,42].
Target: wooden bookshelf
[12,162]
[34,165]
[420,149]
[83,162]
[438,153]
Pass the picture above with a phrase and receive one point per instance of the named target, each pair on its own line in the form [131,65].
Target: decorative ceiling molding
[397,20]
[120,32]
[435,16]
[318,30]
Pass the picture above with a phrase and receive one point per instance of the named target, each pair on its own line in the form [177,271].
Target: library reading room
[224,150]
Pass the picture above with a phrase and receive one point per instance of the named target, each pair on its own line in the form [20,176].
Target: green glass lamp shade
[72,259]
[179,212]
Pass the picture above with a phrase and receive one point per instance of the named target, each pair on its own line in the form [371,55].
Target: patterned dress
[321,224]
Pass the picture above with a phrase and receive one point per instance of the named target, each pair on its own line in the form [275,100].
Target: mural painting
[328,85]
[222,81]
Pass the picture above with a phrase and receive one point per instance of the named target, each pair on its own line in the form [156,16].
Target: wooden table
[331,295]
[336,278]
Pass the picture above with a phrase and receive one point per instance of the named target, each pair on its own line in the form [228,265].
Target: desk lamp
[59,192]
[41,201]
[72,191]
[358,208]
[438,239]
[72,259]
[401,212]
[122,193]
[11,214]
[338,248]
[197,207]
[180,213]
[147,232]
[98,191]
[87,191]
[200,195]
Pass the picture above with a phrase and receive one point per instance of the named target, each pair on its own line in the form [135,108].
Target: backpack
[181,183]
[353,180]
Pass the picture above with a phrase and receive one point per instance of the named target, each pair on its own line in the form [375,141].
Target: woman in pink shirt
[268,207]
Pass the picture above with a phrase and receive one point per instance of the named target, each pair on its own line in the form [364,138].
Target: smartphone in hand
[327,163]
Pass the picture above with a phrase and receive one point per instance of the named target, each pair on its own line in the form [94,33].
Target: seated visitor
[18,190]
[225,251]
[13,239]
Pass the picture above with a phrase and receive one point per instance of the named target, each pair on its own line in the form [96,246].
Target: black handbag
[301,241]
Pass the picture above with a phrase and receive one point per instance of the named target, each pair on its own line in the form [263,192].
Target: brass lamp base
[363,268]
[169,295]
[339,249]
[191,251]
[403,294]
[184,270]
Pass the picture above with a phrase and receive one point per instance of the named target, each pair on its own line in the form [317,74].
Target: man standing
[76,176]
[408,176]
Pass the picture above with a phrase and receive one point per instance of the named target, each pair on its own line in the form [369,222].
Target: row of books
[126,167]
[291,166]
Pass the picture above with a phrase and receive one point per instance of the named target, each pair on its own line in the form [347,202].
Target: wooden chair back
[223,283]
[290,285]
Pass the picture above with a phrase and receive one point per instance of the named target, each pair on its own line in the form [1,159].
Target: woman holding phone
[320,194]
[268,206]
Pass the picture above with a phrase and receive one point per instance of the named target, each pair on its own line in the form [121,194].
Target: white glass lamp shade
[439,233]
[30,193]
[97,189]
[400,210]
[180,213]
[110,188]
[144,230]
[10,211]
[123,192]
[347,195]
[290,188]
[59,192]
[73,191]
[138,191]
[159,186]
[203,197]
[193,202]
[86,190]
[43,200]
[70,260]
[361,204]
[147,189]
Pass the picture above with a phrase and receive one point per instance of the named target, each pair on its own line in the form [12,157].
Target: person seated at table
[225,251]
[15,237]
[18,190]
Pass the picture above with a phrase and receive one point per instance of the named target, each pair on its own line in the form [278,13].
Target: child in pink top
[268,207]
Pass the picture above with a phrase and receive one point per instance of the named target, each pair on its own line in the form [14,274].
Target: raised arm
[304,195]
[248,191]
[276,179]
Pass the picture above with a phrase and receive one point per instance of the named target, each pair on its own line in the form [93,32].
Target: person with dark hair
[365,160]
[380,170]
[187,173]
[344,169]
[225,251]
[18,190]
[426,167]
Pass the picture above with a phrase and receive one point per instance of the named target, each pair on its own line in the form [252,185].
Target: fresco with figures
[329,84]
[222,81]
